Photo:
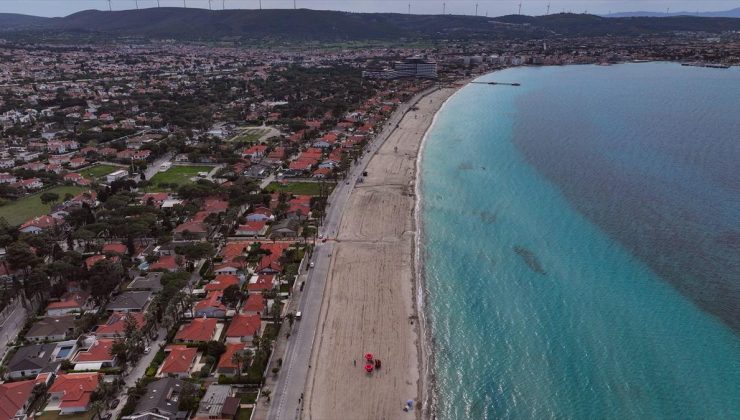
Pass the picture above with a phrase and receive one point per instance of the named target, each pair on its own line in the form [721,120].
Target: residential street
[138,371]
[11,326]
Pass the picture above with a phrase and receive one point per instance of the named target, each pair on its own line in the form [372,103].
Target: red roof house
[198,330]
[222,282]
[243,328]
[179,362]
[71,392]
[15,399]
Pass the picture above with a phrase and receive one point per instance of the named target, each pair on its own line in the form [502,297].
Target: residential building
[130,301]
[179,361]
[218,402]
[160,401]
[16,399]
[71,392]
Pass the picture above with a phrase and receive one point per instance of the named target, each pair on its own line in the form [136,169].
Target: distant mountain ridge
[320,25]
[732,13]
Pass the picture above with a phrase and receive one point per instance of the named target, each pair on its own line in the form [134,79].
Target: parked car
[113,404]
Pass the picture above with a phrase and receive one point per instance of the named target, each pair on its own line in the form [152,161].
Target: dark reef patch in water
[530,259]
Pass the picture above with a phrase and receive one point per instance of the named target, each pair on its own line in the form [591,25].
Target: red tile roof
[255,303]
[213,300]
[13,396]
[179,359]
[167,262]
[227,358]
[116,323]
[199,329]
[243,326]
[100,351]
[115,247]
[76,388]
[222,281]
[264,282]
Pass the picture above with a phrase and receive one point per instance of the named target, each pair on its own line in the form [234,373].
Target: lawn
[98,171]
[244,414]
[19,211]
[179,175]
[54,415]
[249,135]
[248,397]
[301,188]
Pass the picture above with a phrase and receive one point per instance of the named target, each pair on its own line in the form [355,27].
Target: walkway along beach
[369,300]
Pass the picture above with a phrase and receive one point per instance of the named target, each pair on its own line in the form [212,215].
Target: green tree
[49,197]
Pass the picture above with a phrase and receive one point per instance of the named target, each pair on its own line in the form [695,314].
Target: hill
[13,21]
[315,25]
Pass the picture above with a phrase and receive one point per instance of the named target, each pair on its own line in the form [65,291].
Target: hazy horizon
[54,8]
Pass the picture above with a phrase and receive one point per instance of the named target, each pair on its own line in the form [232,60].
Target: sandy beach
[368,303]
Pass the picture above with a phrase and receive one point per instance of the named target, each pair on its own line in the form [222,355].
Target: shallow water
[582,244]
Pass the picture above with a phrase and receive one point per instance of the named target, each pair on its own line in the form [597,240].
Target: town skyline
[51,8]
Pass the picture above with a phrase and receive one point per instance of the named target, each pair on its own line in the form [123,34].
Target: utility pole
[223,4]
[548,9]
[520,8]
[185,5]
[110,8]
[444,6]
[157,4]
[409,8]
[209,5]
[137,4]
[476,9]
[294,6]
[260,4]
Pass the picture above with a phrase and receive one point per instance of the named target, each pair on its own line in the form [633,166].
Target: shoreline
[424,345]
[372,295]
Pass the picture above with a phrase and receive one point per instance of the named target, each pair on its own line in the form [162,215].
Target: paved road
[11,326]
[138,371]
[153,168]
[292,377]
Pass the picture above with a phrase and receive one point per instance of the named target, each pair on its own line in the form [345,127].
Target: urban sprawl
[160,204]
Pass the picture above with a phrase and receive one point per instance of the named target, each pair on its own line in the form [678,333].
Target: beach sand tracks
[390,169]
[377,214]
[364,288]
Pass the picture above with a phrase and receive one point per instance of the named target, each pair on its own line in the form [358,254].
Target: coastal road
[286,397]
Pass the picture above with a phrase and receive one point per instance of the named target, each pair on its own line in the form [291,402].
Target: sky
[463,7]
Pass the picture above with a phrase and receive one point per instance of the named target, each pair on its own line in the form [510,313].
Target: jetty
[497,83]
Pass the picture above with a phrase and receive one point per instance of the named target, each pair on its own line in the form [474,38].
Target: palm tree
[97,407]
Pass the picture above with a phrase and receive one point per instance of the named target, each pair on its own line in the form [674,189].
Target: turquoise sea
[581,245]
